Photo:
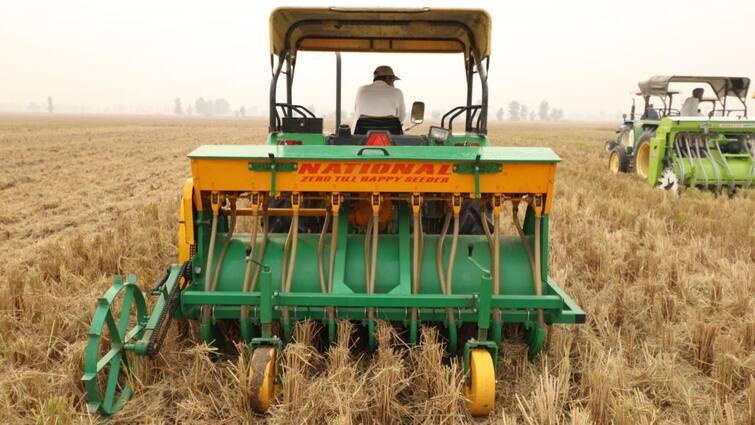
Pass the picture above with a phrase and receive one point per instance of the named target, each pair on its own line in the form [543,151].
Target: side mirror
[418,112]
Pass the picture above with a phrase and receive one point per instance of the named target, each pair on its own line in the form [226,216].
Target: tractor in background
[711,148]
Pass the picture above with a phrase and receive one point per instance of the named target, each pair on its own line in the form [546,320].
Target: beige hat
[384,71]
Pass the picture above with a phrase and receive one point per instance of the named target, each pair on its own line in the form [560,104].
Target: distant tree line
[521,112]
[207,107]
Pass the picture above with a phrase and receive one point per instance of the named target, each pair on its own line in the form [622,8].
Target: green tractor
[710,147]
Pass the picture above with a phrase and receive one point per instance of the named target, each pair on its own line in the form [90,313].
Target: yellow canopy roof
[380,30]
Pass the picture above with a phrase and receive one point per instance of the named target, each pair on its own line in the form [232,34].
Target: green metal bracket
[491,346]
[268,166]
[266,304]
[477,168]
[273,167]
[535,338]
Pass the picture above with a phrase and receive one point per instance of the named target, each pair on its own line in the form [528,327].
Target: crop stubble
[668,285]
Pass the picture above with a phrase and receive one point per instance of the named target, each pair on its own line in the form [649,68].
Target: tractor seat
[651,114]
[389,124]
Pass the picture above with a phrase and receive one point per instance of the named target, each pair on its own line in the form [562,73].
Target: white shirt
[689,109]
[379,100]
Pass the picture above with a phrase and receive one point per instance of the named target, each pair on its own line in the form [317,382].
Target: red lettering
[444,169]
[381,168]
[309,168]
[332,168]
[350,166]
[402,168]
[425,169]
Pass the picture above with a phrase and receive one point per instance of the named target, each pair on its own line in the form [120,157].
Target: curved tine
[320,249]
[700,162]
[332,260]
[714,164]
[294,249]
[726,164]
[681,158]
[691,161]
[374,252]
[224,249]
[263,246]
[367,235]
[439,252]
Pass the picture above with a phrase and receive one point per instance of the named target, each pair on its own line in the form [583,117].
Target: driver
[381,98]
[691,104]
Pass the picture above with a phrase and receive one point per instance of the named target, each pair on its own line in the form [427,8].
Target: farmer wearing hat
[380,99]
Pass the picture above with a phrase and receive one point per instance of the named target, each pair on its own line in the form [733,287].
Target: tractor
[361,225]
[710,148]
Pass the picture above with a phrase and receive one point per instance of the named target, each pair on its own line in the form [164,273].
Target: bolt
[197,270]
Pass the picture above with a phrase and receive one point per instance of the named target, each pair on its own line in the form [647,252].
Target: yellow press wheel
[642,159]
[480,392]
[261,378]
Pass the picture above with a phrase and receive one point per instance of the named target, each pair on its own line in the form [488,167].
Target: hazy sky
[583,56]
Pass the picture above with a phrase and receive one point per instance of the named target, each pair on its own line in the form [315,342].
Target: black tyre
[470,222]
[610,144]
[618,161]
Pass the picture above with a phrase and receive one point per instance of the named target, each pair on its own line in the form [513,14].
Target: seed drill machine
[363,224]
[710,148]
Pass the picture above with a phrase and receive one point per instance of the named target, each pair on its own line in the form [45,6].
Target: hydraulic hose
[320,249]
[681,159]
[416,260]
[374,252]
[714,164]
[284,258]
[728,167]
[263,246]
[485,226]
[518,225]
[752,156]
[451,262]
[367,235]
[439,253]
[538,277]
[294,248]
[289,260]
[700,162]
[224,249]
[210,254]
[333,243]
[249,261]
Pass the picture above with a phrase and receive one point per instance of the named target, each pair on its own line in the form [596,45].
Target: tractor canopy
[658,85]
[405,30]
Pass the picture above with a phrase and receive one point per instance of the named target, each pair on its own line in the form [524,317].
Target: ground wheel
[261,378]
[480,391]
[118,320]
[618,162]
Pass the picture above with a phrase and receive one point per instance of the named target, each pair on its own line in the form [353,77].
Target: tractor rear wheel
[618,162]
[471,220]
[642,159]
